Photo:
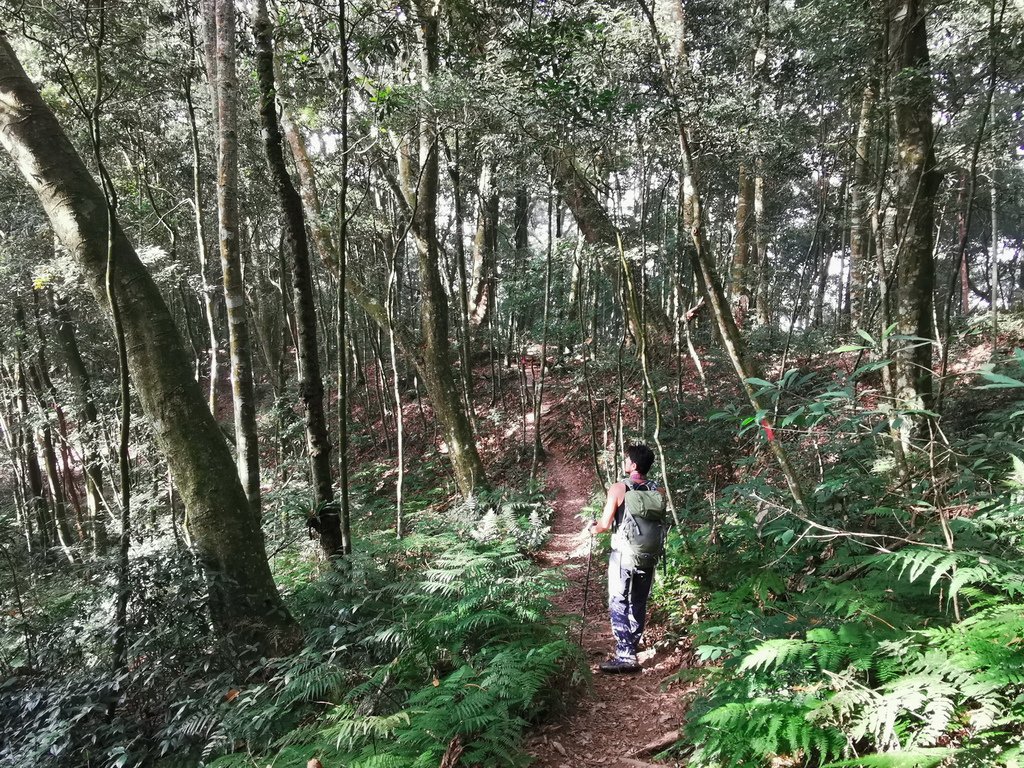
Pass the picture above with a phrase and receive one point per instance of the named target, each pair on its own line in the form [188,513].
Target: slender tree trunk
[538,381]
[918,183]
[243,599]
[764,274]
[821,255]
[209,290]
[393,306]
[994,232]
[739,286]
[436,358]
[464,325]
[485,246]
[704,266]
[860,238]
[521,243]
[311,388]
[964,270]
[224,82]
[343,375]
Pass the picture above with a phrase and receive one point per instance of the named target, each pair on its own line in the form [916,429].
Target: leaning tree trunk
[704,265]
[918,182]
[434,347]
[311,386]
[244,602]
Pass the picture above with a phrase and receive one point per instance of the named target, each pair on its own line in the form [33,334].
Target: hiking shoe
[619,667]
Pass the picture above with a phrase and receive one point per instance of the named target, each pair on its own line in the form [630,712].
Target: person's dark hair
[642,456]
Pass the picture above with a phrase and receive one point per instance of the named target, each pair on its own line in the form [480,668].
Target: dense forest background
[304,297]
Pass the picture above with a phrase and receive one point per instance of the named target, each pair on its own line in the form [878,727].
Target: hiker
[632,559]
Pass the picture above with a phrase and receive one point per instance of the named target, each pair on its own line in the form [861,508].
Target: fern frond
[776,653]
[919,758]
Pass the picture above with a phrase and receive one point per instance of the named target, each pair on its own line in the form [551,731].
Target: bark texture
[918,183]
[244,601]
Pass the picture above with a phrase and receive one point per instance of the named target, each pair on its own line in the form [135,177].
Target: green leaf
[790,418]
[875,365]
[759,382]
[866,336]
[849,348]
[999,381]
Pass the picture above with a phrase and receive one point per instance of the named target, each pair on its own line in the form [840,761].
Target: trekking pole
[586,584]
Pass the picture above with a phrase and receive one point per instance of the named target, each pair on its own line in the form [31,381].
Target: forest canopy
[311,302]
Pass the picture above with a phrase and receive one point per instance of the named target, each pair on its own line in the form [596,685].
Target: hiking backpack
[640,532]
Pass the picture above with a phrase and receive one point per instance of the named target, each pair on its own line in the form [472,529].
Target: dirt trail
[617,721]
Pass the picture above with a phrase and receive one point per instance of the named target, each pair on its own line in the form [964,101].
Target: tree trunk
[311,388]
[464,325]
[224,83]
[918,182]
[739,285]
[244,602]
[485,247]
[90,427]
[436,367]
[209,290]
[994,233]
[764,276]
[860,190]
[521,243]
[704,266]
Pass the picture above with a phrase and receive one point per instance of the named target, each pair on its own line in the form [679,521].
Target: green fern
[466,649]
[919,758]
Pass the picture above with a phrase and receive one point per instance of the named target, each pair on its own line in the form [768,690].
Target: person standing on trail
[629,576]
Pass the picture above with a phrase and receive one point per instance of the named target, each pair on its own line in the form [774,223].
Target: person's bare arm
[616,495]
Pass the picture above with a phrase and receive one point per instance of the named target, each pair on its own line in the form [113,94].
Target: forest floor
[620,720]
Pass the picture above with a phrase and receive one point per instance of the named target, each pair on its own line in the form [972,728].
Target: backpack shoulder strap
[645,486]
[620,511]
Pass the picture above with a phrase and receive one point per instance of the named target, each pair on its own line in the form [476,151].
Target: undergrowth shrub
[460,649]
[62,705]
[881,626]
[410,644]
